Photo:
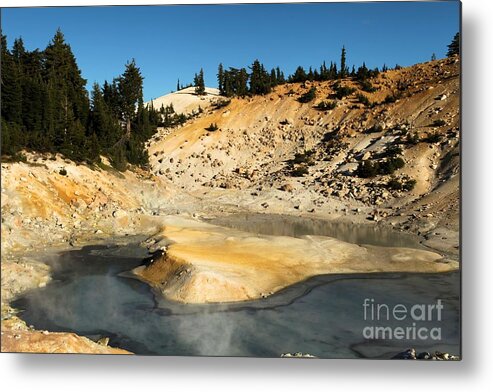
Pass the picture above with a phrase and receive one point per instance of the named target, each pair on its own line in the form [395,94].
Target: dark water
[323,316]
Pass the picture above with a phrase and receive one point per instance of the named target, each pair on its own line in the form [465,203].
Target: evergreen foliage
[220,78]
[405,184]
[454,46]
[233,82]
[199,84]
[342,91]
[129,88]
[326,105]
[369,169]
[363,99]
[439,123]
[391,98]
[367,86]
[260,80]
[46,107]
[299,76]
[344,71]
[239,82]
[433,138]
[299,171]
[308,96]
[212,128]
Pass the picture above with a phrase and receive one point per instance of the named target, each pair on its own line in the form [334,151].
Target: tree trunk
[129,131]
[125,136]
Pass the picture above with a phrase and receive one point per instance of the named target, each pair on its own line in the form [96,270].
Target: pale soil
[202,263]
[185,101]
[17,338]
[244,167]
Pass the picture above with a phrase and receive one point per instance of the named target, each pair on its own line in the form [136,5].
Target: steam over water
[322,316]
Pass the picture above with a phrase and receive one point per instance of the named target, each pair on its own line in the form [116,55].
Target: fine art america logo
[400,322]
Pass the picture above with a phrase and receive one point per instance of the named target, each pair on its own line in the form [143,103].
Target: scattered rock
[118,214]
[297,355]
[437,356]
[287,187]
[103,341]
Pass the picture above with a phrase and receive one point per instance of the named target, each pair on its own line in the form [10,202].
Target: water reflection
[292,226]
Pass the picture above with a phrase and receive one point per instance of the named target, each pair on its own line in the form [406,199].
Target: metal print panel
[262,180]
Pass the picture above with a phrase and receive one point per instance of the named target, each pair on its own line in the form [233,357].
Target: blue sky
[171,42]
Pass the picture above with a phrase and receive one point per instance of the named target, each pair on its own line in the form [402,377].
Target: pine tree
[310,75]
[18,51]
[103,122]
[454,46]
[94,149]
[259,79]
[324,72]
[227,84]
[34,92]
[353,72]
[333,71]
[67,97]
[273,78]
[362,73]
[111,97]
[299,75]
[11,99]
[220,79]
[11,86]
[199,83]
[241,82]
[235,82]
[129,87]
[344,70]
[280,76]
[118,158]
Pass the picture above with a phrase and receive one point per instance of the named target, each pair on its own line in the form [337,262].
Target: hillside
[248,161]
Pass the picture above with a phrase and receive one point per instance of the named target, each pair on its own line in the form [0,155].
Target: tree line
[46,107]
[257,80]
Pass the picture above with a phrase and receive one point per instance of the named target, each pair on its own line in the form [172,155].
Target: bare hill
[274,154]
[186,101]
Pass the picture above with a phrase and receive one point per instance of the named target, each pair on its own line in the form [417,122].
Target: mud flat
[196,262]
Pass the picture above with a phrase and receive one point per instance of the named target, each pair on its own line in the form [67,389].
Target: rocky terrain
[436,356]
[270,154]
[274,154]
